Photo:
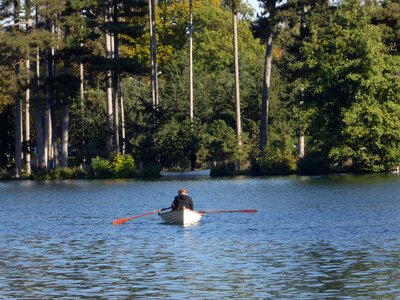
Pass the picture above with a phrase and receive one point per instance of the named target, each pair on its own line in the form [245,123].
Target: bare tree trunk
[53,137]
[303,32]
[39,137]
[47,113]
[18,124]
[301,135]
[115,82]
[82,96]
[18,101]
[237,84]
[46,132]
[191,57]
[301,146]
[40,153]
[29,26]
[116,112]
[109,55]
[27,121]
[153,54]
[65,107]
[64,135]
[122,118]
[265,95]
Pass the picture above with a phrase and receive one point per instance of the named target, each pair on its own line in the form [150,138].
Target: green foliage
[223,169]
[313,163]
[123,166]
[342,61]
[222,143]
[101,168]
[4,175]
[351,95]
[273,164]
[67,173]
[59,173]
[176,142]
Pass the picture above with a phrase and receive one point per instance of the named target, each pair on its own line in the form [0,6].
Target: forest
[117,88]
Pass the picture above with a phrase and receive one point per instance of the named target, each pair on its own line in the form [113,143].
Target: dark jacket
[182,200]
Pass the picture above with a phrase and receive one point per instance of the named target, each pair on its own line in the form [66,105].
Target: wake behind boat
[183,216]
[188,173]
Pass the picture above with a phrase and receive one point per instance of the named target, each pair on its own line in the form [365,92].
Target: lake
[328,237]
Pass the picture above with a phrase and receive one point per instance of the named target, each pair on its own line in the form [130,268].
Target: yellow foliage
[277,53]
[4,101]
[172,20]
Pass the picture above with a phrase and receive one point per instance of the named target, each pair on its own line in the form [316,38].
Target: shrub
[313,164]
[42,174]
[67,173]
[123,166]
[223,169]
[4,174]
[273,165]
[100,167]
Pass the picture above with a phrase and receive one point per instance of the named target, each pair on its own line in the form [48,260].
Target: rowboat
[183,217]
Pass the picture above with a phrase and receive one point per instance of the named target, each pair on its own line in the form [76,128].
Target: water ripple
[313,238]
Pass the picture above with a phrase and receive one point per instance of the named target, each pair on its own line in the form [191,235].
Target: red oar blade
[124,220]
[228,211]
[120,221]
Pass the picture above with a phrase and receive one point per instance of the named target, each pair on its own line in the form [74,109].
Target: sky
[255,4]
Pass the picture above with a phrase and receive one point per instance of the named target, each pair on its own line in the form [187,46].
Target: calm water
[312,238]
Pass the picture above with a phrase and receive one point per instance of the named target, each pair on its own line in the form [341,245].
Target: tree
[265,27]
[352,91]
[153,53]
[235,4]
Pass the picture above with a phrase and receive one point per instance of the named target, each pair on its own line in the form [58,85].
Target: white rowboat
[183,217]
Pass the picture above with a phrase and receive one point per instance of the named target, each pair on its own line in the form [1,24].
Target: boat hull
[183,217]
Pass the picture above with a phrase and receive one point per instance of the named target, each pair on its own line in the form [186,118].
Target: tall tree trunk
[303,32]
[191,57]
[18,101]
[116,112]
[64,135]
[39,135]
[18,123]
[49,119]
[301,133]
[39,129]
[265,94]
[115,81]
[82,97]
[153,54]
[65,107]
[53,134]
[109,121]
[27,121]
[122,118]
[29,26]
[237,83]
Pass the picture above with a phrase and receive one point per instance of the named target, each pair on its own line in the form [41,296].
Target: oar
[227,211]
[124,220]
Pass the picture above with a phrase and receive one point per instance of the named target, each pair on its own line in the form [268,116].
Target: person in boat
[182,200]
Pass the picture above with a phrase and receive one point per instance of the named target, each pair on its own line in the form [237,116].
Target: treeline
[314,87]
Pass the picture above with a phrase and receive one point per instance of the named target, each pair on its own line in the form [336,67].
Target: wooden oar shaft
[228,211]
[123,220]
